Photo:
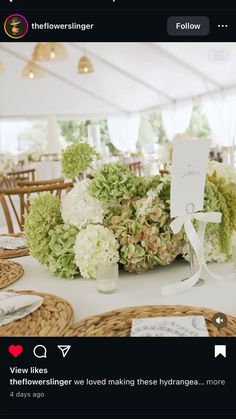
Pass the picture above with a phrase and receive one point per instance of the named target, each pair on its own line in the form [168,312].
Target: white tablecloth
[133,289]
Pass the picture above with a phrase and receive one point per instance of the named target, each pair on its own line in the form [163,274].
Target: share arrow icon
[64,349]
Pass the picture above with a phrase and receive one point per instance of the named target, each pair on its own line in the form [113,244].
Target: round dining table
[134,289]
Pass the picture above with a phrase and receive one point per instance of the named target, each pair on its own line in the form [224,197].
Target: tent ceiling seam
[184,64]
[122,71]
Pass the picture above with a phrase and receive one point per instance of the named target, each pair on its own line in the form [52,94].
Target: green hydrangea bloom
[211,203]
[154,182]
[113,181]
[43,216]
[61,260]
[77,158]
[142,186]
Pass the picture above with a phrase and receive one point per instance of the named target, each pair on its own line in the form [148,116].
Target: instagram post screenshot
[117,209]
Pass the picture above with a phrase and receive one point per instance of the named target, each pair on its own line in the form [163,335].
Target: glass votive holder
[234,256]
[107,278]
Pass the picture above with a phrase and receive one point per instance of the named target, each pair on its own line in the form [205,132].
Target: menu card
[178,326]
[188,176]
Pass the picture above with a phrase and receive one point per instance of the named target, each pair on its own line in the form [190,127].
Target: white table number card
[188,176]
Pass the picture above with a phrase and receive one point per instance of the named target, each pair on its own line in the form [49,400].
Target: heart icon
[15,350]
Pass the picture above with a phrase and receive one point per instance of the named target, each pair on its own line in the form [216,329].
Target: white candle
[107,278]
[107,285]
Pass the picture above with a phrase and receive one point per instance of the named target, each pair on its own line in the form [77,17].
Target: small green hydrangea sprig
[61,260]
[43,216]
[113,182]
[77,158]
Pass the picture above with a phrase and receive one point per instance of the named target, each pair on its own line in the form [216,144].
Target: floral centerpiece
[115,216]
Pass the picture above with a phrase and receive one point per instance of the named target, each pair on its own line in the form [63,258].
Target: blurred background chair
[12,178]
[27,183]
[136,168]
[14,211]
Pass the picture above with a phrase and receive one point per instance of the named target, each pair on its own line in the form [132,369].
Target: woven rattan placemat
[118,322]
[13,253]
[9,272]
[50,319]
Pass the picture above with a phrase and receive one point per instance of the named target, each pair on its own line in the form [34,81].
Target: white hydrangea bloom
[79,208]
[212,249]
[144,204]
[95,245]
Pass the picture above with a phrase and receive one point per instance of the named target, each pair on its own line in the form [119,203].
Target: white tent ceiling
[128,78]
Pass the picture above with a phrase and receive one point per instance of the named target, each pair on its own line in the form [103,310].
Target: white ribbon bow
[196,239]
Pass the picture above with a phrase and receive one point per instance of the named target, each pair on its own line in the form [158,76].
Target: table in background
[46,169]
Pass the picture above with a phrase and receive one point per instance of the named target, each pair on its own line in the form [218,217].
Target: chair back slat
[12,178]
[15,211]
[7,214]
[22,183]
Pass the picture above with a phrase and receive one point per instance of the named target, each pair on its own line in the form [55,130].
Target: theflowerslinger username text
[63,26]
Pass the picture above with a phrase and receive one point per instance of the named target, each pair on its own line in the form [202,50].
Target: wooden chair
[21,164]
[24,193]
[12,178]
[164,172]
[136,168]
[24,183]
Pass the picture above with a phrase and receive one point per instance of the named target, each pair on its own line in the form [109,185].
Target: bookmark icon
[220,350]
[64,349]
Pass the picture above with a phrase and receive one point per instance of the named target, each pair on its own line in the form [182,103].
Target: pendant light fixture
[85,65]
[33,71]
[49,51]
